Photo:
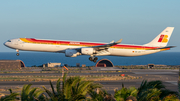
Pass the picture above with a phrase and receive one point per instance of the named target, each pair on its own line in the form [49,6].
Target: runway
[168,77]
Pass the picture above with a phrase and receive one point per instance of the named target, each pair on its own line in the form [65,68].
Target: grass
[60,71]
[55,78]
[83,69]
[146,67]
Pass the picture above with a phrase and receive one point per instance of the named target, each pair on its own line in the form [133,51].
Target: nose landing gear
[94,59]
[17,52]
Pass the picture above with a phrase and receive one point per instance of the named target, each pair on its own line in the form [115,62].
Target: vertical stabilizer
[162,39]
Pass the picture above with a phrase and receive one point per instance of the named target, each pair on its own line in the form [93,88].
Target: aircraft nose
[7,43]
[4,43]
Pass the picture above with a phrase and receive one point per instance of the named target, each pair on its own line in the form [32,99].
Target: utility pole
[63,70]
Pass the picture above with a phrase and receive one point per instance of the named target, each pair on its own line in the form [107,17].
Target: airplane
[93,49]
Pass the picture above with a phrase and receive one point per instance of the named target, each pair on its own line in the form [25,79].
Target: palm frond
[58,86]
[38,93]
[25,92]
[53,92]
[11,97]
[48,92]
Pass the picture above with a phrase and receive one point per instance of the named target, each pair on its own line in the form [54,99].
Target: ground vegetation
[78,89]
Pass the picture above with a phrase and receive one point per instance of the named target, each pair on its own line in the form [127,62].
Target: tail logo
[163,39]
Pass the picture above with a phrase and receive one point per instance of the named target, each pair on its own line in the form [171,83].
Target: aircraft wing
[106,46]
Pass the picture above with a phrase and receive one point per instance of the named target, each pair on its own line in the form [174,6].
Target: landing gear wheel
[94,59]
[17,54]
[90,58]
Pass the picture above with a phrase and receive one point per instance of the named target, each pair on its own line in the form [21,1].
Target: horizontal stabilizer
[166,47]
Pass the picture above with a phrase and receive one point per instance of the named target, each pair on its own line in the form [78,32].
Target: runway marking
[172,82]
[155,73]
[110,69]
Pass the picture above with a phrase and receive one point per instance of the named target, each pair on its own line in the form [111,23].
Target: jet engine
[87,51]
[70,53]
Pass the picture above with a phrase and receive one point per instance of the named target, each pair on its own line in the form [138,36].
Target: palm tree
[55,96]
[27,94]
[170,98]
[124,93]
[100,95]
[30,94]
[72,89]
[153,90]
[11,97]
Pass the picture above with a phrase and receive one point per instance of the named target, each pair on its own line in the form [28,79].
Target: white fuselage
[18,44]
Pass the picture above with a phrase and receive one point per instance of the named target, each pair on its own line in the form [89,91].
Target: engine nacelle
[87,51]
[70,53]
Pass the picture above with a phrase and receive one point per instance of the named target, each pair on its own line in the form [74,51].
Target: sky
[135,21]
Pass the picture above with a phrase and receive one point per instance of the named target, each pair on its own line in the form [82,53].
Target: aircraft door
[58,44]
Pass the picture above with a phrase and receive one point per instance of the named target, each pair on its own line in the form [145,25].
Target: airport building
[151,66]
[11,64]
[104,63]
[52,65]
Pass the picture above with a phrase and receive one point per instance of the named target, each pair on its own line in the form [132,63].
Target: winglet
[112,41]
[107,45]
[119,41]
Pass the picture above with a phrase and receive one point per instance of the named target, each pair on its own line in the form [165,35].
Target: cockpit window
[9,41]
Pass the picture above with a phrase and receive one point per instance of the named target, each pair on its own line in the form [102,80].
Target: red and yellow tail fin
[162,39]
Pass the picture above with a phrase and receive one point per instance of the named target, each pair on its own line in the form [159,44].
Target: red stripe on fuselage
[88,44]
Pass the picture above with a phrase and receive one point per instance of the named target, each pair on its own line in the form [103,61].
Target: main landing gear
[94,59]
[17,52]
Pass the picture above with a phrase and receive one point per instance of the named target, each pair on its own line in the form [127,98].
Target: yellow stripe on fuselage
[25,40]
